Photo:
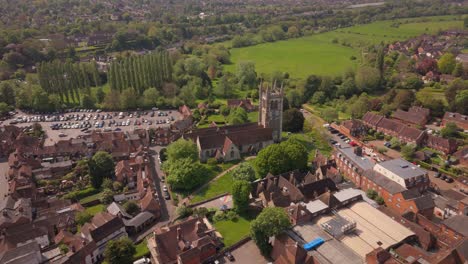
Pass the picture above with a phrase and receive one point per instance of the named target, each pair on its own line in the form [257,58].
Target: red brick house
[192,241]
[354,128]
[402,187]
[244,103]
[416,116]
[286,251]
[460,120]
[445,145]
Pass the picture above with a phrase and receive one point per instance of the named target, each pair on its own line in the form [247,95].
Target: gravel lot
[109,121]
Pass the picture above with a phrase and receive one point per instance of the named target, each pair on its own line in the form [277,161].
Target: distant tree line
[140,72]
[68,80]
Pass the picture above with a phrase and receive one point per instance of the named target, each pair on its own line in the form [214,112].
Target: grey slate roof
[362,162]
[389,185]
[458,223]
[403,168]
[139,219]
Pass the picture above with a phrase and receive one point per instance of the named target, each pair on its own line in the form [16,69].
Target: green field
[316,54]
[233,231]
[92,210]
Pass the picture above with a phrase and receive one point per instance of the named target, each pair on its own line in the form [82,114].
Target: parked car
[229,256]
[167,196]
[437,175]
[449,180]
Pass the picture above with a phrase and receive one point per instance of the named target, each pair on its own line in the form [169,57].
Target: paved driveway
[3,178]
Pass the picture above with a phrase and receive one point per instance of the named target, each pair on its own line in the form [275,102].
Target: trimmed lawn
[233,231]
[90,198]
[316,54]
[431,93]
[217,187]
[141,250]
[92,210]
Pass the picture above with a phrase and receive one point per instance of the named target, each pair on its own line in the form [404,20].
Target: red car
[352,143]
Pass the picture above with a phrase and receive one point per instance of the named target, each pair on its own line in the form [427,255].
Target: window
[232,154]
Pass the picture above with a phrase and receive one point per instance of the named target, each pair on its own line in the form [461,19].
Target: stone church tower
[270,109]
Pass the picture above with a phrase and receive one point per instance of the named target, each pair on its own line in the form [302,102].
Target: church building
[228,143]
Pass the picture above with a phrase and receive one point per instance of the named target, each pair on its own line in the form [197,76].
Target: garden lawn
[316,54]
[431,93]
[233,231]
[92,210]
[90,198]
[219,186]
[141,250]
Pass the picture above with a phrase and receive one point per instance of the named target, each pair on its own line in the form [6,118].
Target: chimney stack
[275,181]
[179,233]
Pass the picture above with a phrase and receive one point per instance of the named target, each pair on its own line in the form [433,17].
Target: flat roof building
[402,172]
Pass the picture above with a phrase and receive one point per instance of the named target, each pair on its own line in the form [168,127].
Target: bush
[231,216]
[78,195]
[372,194]
[200,211]
[219,216]
[82,217]
[212,162]
[184,211]
[382,150]
[380,200]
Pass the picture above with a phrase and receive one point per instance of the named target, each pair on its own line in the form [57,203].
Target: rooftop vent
[404,166]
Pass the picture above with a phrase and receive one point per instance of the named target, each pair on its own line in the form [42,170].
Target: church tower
[270,109]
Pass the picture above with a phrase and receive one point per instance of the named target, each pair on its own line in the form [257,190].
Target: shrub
[219,216]
[212,161]
[372,194]
[184,211]
[78,195]
[380,200]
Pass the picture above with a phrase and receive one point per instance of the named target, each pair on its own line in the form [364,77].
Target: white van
[142,261]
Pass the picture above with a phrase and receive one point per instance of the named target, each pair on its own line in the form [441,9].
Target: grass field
[431,93]
[316,54]
[92,210]
[219,186]
[141,250]
[233,231]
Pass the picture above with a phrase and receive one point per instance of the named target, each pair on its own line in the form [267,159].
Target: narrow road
[168,209]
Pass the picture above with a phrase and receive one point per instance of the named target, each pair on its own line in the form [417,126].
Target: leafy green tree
[461,102]
[243,172]
[246,73]
[294,98]
[293,120]
[7,93]
[129,99]
[403,99]
[119,251]
[447,63]
[453,89]
[181,149]
[100,166]
[450,131]
[224,88]
[395,143]
[408,150]
[319,97]
[458,71]
[131,207]
[107,184]
[278,158]
[237,116]
[184,211]
[150,97]
[4,108]
[371,194]
[310,86]
[329,114]
[107,196]
[272,221]
[184,173]
[82,217]
[367,79]
[100,95]
[240,192]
